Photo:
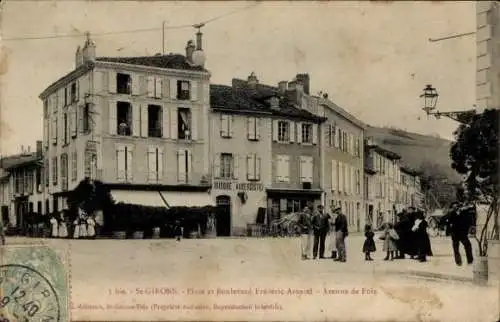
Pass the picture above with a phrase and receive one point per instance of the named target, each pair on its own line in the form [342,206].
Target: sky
[372,58]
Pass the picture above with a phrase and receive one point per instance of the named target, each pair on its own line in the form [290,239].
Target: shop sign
[240,186]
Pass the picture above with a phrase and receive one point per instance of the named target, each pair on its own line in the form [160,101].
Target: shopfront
[281,202]
[238,205]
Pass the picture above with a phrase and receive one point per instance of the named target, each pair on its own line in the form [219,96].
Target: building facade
[21,187]
[138,124]
[343,163]
[240,150]
[387,176]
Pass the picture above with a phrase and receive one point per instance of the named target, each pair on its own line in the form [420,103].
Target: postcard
[249,161]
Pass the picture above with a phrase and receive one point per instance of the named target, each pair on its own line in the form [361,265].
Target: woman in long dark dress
[369,244]
[422,238]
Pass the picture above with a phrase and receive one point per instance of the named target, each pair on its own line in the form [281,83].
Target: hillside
[416,149]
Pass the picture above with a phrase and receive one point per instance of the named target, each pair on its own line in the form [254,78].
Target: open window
[154,121]
[86,118]
[74,93]
[124,118]
[184,123]
[123,84]
[183,90]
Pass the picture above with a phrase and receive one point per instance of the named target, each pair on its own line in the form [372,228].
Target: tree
[436,185]
[474,155]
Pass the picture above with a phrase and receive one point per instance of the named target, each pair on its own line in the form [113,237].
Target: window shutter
[302,169]
[279,167]
[173,88]
[136,119]
[181,166]
[224,125]
[173,123]
[334,175]
[165,115]
[73,120]
[217,165]
[144,121]
[136,84]
[152,170]
[189,162]
[291,127]
[158,87]
[194,91]
[46,132]
[341,177]
[309,167]
[150,86]
[230,125]
[299,132]
[160,163]
[235,166]
[54,130]
[77,85]
[286,161]
[257,128]
[194,124]
[250,174]
[315,133]
[120,158]
[112,118]
[130,165]
[112,81]
[81,109]
[257,167]
[275,130]
[251,128]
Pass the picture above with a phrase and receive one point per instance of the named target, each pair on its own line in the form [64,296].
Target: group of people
[83,227]
[323,230]
[327,234]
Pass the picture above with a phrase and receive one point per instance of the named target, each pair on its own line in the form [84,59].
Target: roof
[410,171]
[348,116]
[170,61]
[241,97]
[384,152]
[19,160]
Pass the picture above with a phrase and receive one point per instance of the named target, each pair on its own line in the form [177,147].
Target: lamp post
[429,98]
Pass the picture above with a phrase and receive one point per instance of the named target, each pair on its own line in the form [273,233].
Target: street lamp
[430,97]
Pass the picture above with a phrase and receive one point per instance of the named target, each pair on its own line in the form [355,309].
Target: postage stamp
[33,285]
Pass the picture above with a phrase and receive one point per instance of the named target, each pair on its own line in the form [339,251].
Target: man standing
[305,227]
[340,234]
[320,225]
[460,220]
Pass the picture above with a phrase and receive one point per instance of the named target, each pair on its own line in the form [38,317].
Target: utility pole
[163,37]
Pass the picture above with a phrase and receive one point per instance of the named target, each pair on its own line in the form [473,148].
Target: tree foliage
[474,154]
[436,184]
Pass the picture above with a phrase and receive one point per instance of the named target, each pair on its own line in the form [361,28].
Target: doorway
[223,215]
[22,208]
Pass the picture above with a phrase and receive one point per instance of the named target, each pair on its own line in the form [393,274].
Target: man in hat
[305,226]
[321,225]
[460,220]
[340,234]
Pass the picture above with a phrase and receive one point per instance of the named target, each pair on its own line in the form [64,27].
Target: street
[159,279]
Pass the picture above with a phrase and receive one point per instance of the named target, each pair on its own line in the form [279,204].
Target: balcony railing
[171,178]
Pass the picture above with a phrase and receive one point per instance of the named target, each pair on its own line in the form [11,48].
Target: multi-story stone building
[370,193]
[139,124]
[343,162]
[240,150]
[386,179]
[409,193]
[21,187]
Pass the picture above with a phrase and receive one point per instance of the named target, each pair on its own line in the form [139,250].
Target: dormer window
[275,102]
[123,84]
[183,90]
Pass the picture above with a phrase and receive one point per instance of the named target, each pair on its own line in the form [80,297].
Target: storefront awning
[187,199]
[137,197]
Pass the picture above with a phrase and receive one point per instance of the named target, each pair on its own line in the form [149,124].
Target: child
[90,227]
[369,244]
[178,230]
[390,236]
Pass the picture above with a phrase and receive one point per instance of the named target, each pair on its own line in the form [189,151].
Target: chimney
[190,47]
[88,51]
[292,85]
[28,150]
[252,79]
[282,87]
[78,57]
[199,44]
[39,150]
[305,81]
